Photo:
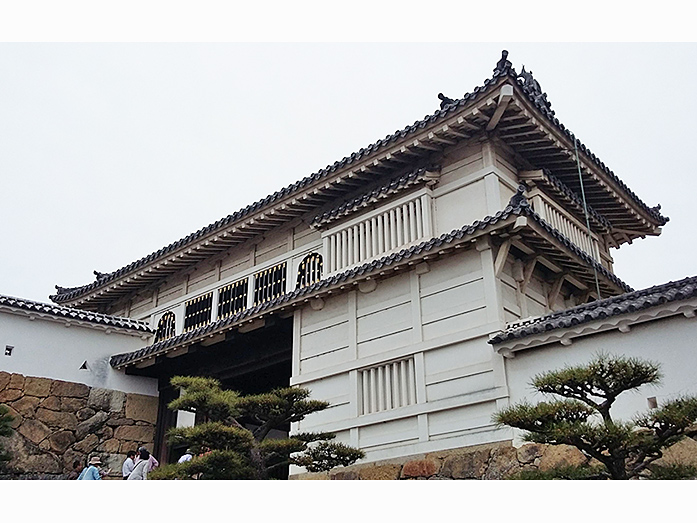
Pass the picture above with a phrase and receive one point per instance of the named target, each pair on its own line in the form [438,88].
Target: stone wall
[58,422]
[492,461]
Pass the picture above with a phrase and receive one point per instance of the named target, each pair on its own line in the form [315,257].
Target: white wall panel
[449,423]
[390,432]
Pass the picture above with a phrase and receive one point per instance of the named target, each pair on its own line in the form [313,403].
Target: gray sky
[109,152]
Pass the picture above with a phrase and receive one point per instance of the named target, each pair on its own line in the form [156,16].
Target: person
[140,471]
[129,464]
[186,457]
[77,469]
[91,472]
[152,462]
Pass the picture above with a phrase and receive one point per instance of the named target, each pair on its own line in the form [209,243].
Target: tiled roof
[503,69]
[73,314]
[624,303]
[564,190]
[517,206]
[390,188]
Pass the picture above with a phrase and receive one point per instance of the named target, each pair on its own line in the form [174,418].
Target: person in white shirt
[129,464]
[186,457]
[140,471]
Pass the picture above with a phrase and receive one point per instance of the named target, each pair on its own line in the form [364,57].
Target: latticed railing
[389,230]
[165,327]
[309,270]
[232,298]
[566,225]
[387,386]
[198,311]
[270,283]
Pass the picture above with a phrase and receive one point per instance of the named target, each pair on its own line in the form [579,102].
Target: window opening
[165,327]
[310,270]
[270,283]
[198,312]
[232,298]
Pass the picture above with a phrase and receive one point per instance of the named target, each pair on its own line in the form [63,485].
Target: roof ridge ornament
[503,65]
[519,198]
[445,101]
[533,88]
[100,275]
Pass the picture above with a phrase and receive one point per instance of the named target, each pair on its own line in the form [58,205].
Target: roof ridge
[72,313]
[504,68]
[612,306]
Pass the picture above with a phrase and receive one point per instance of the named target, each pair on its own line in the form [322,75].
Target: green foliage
[565,472]
[205,397]
[673,471]
[225,449]
[326,455]
[5,430]
[583,419]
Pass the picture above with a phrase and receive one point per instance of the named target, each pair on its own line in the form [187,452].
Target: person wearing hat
[186,457]
[92,472]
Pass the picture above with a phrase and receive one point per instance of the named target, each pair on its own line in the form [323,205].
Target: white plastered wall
[669,342]
[47,348]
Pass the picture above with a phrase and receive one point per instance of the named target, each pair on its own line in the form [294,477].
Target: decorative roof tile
[68,313]
[624,303]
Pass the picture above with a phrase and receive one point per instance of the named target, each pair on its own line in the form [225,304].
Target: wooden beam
[556,289]
[501,257]
[505,97]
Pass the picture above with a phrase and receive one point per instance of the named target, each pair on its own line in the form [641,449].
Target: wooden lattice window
[310,270]
[388,386]
[270,283]
[232,298]
[165,327]
[198,311]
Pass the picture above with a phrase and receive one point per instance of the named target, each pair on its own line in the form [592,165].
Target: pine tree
[625,449]
[226,449]
[5,430]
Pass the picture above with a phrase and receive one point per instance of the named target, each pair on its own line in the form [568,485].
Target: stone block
[420,468]
[380,472]
[343,475]
[26,406]
[311,476]
[99,399]
[42,463]
[118,399]
[17,418]
[69,389]
[34,431]
[560,456]
[117,422]
[113,462]
[528,453]
[134,433]
[87,445]
[105,432]
[73,404]
[84,414]
[141,408]
[503,463]
[61,420]
[70,456]
[16,382]
[60,441]
[90,425]
[9,395]
[4,380]
[111,445]
[684,452]
[39,387]
[466,465]
[51,403]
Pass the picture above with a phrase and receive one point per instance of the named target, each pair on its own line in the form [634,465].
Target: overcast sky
[109,152]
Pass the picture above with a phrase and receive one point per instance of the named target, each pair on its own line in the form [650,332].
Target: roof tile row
[68,313]
[601,309]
